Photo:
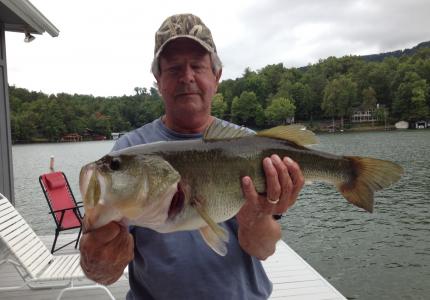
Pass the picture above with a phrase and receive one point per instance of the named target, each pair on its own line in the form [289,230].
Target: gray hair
[215,62]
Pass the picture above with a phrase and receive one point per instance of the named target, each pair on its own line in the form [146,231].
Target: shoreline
[315,129]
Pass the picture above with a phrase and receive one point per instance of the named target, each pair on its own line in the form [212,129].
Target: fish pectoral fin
[213,234]
[213,240]
[294,133]
[218,230]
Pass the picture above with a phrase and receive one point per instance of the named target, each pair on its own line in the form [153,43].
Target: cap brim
[202,43]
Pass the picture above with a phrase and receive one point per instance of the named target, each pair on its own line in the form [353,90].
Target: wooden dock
[292,279]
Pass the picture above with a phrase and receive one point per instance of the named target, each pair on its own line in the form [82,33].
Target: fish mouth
[91,185]
[84,178]
[177,204]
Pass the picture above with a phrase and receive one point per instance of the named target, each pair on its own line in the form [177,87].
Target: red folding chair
[62,204]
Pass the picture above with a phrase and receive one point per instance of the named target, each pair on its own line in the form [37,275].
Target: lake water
[384,255]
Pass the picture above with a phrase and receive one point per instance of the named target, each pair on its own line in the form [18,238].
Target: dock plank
[292,279]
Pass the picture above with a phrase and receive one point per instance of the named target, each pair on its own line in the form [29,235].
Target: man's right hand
[105,252]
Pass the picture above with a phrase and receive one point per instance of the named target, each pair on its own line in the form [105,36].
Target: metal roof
[22,16]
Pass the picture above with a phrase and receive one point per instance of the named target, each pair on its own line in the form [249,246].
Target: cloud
[301,32]
[106,48]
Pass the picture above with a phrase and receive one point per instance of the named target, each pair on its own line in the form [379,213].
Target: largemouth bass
[195,184]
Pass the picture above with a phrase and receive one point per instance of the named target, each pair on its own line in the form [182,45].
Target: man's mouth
[186,94]
[177,203]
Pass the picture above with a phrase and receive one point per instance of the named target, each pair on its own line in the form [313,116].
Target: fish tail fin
[368,175]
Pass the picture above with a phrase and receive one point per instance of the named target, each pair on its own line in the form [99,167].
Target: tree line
[332,88]
[36,116]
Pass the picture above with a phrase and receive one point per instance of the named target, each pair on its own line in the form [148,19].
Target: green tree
[23,126]
[100,124]
[150,109]
[316,81]
[369,101]
[410,99]
[279,111]
[271,76]
[254,82]
[219,107]
[369,98]
[246,110]
[300,95]
[339,98]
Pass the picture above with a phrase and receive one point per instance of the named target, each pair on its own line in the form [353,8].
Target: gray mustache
[185,89]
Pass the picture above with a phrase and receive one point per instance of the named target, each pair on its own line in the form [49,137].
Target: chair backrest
[21,241]
[59,196]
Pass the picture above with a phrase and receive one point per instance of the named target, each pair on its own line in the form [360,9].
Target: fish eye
[115,164]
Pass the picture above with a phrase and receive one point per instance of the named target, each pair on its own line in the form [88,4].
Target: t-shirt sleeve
[121,143]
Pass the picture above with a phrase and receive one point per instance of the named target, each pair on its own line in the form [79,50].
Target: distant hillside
[398,53]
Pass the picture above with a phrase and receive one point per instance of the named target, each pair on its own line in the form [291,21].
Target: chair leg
[79,235]
[55,241]
[96,286]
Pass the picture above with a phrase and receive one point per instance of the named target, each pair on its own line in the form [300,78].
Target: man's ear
[157,83]
[218,76]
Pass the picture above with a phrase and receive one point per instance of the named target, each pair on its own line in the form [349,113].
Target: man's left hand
[258,231]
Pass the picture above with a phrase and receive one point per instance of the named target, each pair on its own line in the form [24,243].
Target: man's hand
[105,252]
[258,231]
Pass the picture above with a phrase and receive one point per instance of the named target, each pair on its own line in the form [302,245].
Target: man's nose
[187,74]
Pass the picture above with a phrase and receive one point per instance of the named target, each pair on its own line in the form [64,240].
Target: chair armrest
[64,209]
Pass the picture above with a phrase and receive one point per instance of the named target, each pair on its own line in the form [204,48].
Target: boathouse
[23,18]
[421,124]
[71,137]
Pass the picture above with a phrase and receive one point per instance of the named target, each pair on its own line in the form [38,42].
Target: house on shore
[361,116]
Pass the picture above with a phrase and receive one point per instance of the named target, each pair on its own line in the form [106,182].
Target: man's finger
[296,176]
[248,190]
[284,178]
[273,188]
[106,233]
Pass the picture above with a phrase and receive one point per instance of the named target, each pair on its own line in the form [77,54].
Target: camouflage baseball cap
[183,26]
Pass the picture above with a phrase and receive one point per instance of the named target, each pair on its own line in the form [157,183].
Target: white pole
[51,163]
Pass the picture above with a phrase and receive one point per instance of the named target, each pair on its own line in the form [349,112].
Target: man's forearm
[258,237]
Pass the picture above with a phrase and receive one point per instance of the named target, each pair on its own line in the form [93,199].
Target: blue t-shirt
[180,265]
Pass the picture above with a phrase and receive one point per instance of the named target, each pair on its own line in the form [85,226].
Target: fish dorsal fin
[294,133]
[224,130]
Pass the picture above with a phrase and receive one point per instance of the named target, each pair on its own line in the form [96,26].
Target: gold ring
[273,201]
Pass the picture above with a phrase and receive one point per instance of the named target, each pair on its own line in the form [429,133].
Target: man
[179,265]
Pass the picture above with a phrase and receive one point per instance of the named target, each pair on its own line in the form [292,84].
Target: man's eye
[198,67]
[174,69]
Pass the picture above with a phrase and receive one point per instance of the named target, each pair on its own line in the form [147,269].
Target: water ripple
[384,255]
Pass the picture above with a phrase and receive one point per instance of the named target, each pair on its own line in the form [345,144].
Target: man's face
[187,82]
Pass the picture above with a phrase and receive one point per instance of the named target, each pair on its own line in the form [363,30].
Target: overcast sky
[105,47]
